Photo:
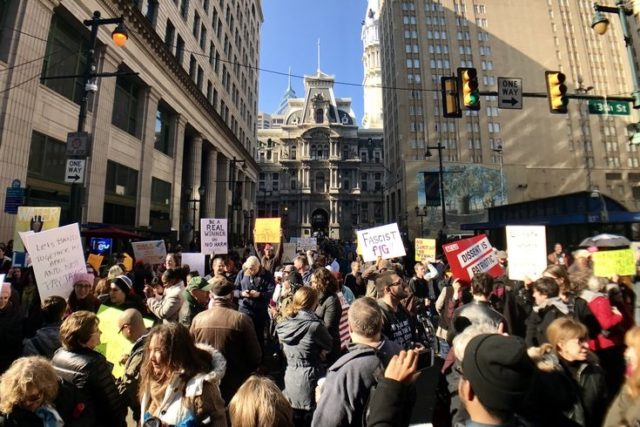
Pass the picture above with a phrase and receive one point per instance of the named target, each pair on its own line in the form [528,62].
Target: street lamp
[201,191]
[428,154]
[421,213]
[119,37]
[499,150]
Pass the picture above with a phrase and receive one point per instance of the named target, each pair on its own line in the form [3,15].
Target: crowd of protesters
[325,340]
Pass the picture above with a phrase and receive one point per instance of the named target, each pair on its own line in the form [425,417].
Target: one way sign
[74,173]
[510,93]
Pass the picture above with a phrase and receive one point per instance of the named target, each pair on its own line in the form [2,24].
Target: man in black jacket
[131,326]
[397,324]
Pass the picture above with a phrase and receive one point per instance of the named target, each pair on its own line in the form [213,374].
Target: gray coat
[45,342]
[303,337]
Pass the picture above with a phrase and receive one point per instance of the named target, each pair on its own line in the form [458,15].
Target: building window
[192,67]
[319,115]
[160,192]
[121,180]
[47,157]
[184,8]
[292,152]
[125,105]
[203,36]
[64,56]
[152,12]
[319,182]
[169,35]
[162,141]
[180,50]
[364,181]
[196,25]
[275,182]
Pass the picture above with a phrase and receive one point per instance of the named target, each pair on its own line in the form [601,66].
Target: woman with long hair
[179,381]
[329,308]
[625,409]
[260,403]
[304,338]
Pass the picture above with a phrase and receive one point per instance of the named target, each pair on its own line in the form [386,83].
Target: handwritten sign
[195,261]
[384,241]
[425,248]
[57,256]
[213,236]
[95,261]
[527,246]
[36,219]
[151,251]
[267,230]
[608,263]
[470,256]
[305,243]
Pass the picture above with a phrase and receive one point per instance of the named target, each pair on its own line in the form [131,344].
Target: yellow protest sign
[425,248]
[36,219]
[128,262]
[607,263]
[95,261]
[267,230]
[112,344]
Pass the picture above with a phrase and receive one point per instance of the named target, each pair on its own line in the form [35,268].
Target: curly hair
[24,374]
[259,402]
[324,281]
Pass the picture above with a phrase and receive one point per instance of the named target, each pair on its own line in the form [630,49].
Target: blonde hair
[304,299]
[24,374]
[251,262]
[632,383]
[564,329]
[259,402]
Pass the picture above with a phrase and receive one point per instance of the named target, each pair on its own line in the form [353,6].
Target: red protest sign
[471,256]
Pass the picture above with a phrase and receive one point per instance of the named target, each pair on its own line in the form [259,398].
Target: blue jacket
[263,282]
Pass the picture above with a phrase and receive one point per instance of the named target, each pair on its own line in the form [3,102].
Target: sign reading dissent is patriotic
[468,257]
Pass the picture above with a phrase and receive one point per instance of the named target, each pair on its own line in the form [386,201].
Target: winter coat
[167,307]
[346,389]
[611,332]
[44,343]
[446,305]
[190,402]
[90,372]
[232,334]
[303,337]
[329,310]
[391,404]
[130,380]
[624,411]
[20,417]
[540,318]
[255,308]
[569,391]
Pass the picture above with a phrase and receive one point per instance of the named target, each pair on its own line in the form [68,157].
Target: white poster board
[213,236]
[150,251]
[527,249]
[195,261]
[306,244]
[384,241]
[57,256]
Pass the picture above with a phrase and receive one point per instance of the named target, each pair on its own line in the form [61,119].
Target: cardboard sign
[384,241]
[267,230]
[36,219]
[425,248]
[527,248]
[213,236]
[151,251]
[471,256]
[95,261]
[128,262]
[195,261]
[112,344]
[608,263]
[57,256]
[288,253]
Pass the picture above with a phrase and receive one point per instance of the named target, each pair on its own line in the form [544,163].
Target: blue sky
[289,37]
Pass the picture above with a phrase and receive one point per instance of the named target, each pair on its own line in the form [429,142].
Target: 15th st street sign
[614,108]
[510,93]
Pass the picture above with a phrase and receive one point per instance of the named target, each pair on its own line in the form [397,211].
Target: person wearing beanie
[495,379]
[121,295]
[82,297]
[232,333]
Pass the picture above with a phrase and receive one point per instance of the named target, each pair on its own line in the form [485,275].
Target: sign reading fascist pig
[384,241]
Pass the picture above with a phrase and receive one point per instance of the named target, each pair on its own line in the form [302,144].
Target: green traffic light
[473,99]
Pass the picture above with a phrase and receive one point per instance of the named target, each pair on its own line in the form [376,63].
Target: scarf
[49,416]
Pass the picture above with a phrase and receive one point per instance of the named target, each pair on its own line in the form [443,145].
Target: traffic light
[468,87]
[556,92]
[450,97]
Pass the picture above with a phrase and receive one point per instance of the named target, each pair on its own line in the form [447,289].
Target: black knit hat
[499,370]
[124,283]
[295,279]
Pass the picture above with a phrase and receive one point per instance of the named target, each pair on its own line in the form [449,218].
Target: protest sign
[36,219]
[128,262]
[471,256]
[527,247]
[213,236]
[113,344]
[57,256]
[425,248]
[95,261]
[2,276]
[306,243]
[267,230]
[151,251]
[384,241]
[288,253]
[195,261]
[608,263]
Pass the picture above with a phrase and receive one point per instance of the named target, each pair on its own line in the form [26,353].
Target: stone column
[178,157]
[195,181]
[146,156]
[211,183]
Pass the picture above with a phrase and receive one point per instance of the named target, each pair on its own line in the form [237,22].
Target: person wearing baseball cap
[495,379]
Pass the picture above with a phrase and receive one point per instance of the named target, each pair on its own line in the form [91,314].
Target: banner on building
[432,188]
[150,251]
[56,256]
[195,261]
[267,230]
[36,219]
[213,236]
[609,263]
[384,241]
[425,248]
[470,256]
[527,248]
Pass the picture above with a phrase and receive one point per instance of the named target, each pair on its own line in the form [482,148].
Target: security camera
[91,87]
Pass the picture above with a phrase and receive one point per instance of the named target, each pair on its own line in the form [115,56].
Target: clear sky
[289,37]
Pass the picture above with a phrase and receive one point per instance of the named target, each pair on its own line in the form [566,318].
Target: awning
[616,217]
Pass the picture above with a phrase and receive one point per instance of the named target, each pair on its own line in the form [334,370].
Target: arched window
[319,115]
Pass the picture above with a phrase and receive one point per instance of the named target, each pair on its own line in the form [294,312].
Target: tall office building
[172,135]
[495,156]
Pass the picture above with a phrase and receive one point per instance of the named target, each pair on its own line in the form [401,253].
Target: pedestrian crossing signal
[468,84]
[556,92]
